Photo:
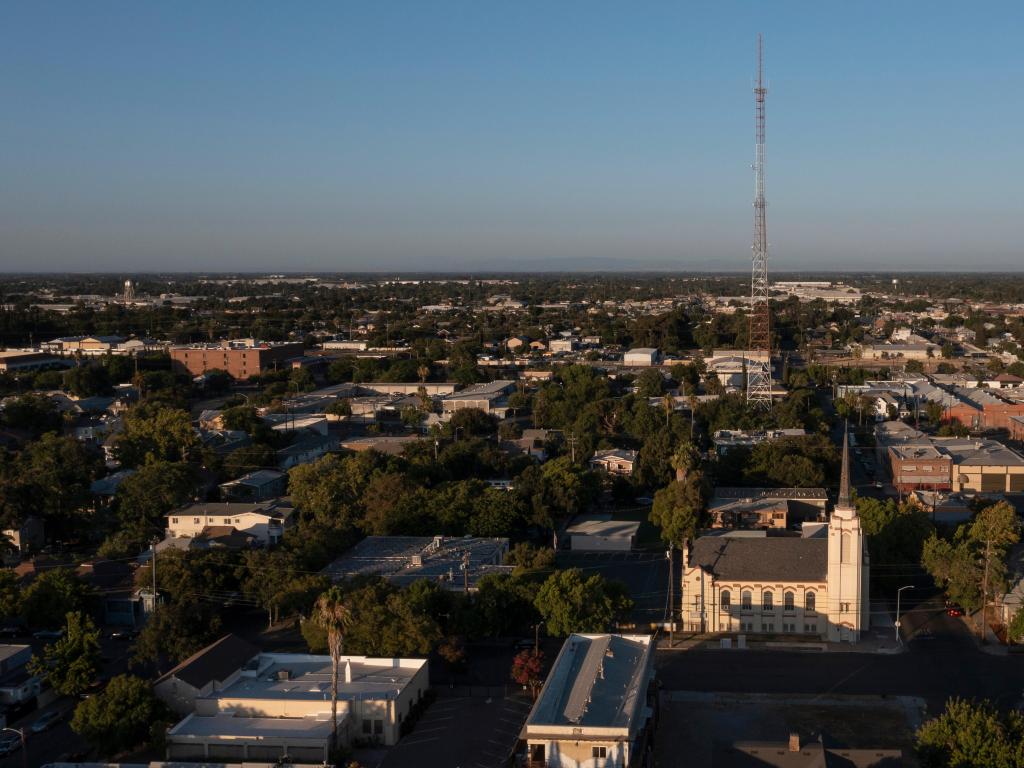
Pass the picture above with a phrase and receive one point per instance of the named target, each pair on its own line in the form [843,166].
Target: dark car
[954,610]
[48,634]
[9,743]
[124,634]
[46,721]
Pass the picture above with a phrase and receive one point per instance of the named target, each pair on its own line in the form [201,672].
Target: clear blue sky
[141,136]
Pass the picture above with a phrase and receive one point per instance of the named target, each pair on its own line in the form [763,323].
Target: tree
[144,498]
[1015,630]
[971,735]
[528,670]
[87,380]
[569,603]
[120,717]
[70,665]
[678,508]
[684,458]
[154,434]
[332,612]
[10,595]
[176,630]
[52,596]
[995,528]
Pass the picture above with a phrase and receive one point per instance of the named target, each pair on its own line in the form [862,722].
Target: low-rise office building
[279,704]
[239,358]
[454,562]
[491,397]
[597,707]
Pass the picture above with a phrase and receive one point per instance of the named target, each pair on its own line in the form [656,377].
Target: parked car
[46,721]
[11,631]
[9,743]
[48,634]
[124,634]
[954,610]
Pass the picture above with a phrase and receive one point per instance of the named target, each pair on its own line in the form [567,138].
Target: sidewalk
[877,641]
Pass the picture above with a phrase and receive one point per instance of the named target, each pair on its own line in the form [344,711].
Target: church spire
[845,500]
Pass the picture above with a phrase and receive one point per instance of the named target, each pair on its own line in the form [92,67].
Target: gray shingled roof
[762,558]
[214,662]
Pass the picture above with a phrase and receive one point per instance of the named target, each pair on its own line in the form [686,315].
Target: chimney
[348,672]
[794,742]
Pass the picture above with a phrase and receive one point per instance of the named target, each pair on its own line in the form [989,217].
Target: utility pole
[572,447]
[465,571]
[154,543]
[671,598]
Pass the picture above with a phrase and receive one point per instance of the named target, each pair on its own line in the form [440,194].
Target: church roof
[769,558]
[845,500]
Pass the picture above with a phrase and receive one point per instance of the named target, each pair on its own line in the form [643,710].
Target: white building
[602,534]
[751,583]
[614,461]
[595,708]
[265,520]
[640,356]
[277,704]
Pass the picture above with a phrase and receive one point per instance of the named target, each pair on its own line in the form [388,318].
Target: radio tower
[759,356]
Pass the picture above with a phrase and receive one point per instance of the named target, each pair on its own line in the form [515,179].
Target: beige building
[277,704]
[264,520]
[748,582]
[596,708]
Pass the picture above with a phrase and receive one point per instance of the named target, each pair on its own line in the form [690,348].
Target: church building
[814,583]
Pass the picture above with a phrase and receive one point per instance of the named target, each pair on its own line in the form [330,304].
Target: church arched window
[809,601]
[726,600]
[747,599]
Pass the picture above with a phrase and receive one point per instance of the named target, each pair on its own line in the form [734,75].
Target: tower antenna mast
[759,370]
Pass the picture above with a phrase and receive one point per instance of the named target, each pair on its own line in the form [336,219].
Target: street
[946,665]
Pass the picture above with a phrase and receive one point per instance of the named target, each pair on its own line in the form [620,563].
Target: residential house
[777,508]
[614,461]
[17,684]
[202,673]
[265,521]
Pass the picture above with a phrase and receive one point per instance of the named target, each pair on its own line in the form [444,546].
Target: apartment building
[597,708]
[239,358]
[266,521]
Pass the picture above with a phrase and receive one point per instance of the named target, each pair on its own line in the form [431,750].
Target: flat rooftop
[229,726]
[405,559]
[305,677]
[597,681]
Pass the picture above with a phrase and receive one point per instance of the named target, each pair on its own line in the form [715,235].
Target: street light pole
[899,592]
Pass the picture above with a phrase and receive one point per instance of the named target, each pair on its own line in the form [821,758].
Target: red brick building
[239,359]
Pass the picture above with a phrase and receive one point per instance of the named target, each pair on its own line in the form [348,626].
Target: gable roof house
[203,672]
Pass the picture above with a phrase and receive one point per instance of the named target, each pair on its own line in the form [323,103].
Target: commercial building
[916,461]
[239,358]
[641,357]
[261,485]
[279,704]
[29,360]
[453,562]
[597,707]
[491,397]
[726,439]
[602,534]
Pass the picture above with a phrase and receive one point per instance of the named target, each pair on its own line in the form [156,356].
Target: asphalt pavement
[947,664]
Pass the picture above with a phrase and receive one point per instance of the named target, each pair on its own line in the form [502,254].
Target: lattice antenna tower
[759,366]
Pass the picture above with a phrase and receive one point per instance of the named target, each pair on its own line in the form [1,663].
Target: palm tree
[683,460]
[668,403]
[423,371]
[332,612]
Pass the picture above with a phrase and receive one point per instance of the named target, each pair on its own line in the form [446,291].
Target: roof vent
[283,674]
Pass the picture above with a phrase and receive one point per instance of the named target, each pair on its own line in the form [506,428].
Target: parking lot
[464,731]
[645,575]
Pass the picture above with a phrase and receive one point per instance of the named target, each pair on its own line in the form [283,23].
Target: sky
[506,136]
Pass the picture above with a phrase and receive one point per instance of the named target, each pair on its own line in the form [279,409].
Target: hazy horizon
[468,137]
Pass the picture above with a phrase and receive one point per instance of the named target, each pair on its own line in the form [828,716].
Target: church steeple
[845,501]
